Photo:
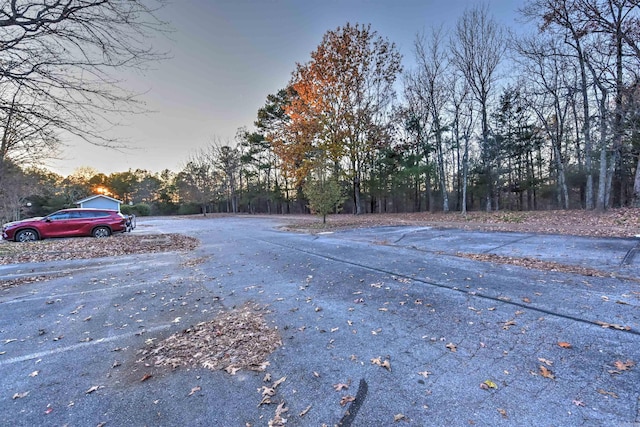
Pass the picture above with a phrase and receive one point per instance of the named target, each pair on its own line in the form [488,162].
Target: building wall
[100,203]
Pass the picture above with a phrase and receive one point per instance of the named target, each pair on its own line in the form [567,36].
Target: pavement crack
[508,243]
[454,288]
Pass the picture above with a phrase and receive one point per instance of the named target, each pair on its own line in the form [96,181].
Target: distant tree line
[485,120]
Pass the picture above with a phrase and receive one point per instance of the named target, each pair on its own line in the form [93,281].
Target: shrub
[140,209]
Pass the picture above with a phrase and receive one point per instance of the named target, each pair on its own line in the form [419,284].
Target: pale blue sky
[228,55]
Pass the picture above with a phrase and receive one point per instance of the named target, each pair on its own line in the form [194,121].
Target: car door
[56,225]
[79,222]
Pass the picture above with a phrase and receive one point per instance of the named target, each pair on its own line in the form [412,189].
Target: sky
[226,56]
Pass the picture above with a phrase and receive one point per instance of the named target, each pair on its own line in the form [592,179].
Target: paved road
[444,324]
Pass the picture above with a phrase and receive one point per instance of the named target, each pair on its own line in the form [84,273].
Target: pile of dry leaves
[236,339]
[90,247]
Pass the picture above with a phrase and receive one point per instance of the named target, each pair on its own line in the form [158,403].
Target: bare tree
[477,47]
[462,126]
[618,21]
[416,122]
[198,181]
[545,64]
[432,71]
[57,69]
[566,18]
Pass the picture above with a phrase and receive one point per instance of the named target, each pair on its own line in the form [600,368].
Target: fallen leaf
[266,400]
[20,395]
[613,326]
[267,378]
[145,377]
[623,366]
[34,374]
[278,420]
[93,388]
[607,393]
[194,390]
[503,413]
[490,384]
[342,386]
[545,361]
[451,346]
[546,372]
[280,381]
[578,402]
[527,300]
[346,399]
[398,417]
[506,325]
[267,391]
[304,412]
[385,364]
[564,344]
[48,410]
[77,310]
[232,370]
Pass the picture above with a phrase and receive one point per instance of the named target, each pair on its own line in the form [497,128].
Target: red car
[66,223]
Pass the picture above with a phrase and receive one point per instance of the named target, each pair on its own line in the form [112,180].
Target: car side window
[58,216]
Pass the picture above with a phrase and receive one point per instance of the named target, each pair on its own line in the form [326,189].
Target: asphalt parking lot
[380,326]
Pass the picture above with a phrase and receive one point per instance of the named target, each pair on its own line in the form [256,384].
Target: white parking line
[78,346]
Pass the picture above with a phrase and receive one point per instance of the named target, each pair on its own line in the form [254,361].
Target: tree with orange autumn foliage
[341,105]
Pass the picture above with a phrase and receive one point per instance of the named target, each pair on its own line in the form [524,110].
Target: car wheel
[26,236]
[101,232]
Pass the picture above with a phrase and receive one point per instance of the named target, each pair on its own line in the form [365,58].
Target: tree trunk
[443,181]
[636,186]
[563,193]
[465,171]
[357,197]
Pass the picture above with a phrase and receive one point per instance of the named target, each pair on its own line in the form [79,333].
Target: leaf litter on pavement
[236,339]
